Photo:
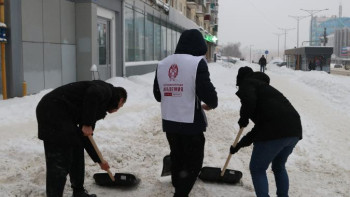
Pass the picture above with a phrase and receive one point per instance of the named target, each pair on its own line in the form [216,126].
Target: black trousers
[62,160]
[187,153]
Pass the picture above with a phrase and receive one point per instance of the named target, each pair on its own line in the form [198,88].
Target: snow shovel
[107,179]
[166,166]
[211,174]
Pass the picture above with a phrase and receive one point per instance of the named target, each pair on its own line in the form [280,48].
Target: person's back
[181,83]
[274,114]
[277,129]
[262,63]
[66,116]
[73,103]
[189,48]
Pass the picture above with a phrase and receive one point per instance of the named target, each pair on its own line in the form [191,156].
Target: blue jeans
[277,152]
[262,68]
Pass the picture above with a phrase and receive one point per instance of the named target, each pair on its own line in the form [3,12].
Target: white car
[337,66]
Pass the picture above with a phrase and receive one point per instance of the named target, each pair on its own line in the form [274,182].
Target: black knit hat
[242,72]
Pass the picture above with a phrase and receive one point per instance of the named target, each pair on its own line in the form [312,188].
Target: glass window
[139,36]
[163,40]
[168,39]
[157,39]
[149,38]
[129,35]
[173,38]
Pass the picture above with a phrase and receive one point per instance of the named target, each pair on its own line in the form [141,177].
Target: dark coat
[191,42]
[62,112]
[273,115]
[262,61]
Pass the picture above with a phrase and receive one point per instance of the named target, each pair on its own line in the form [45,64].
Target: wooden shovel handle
[230,155]
[100,155]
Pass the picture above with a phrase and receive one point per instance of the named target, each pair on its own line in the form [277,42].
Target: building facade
[342,43]
[326,25]
[55,42]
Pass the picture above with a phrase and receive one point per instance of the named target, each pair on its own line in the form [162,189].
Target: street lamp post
[278,43]
[285,38]
[298,18]
[250,46]
[312,12]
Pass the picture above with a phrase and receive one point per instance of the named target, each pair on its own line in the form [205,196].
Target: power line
[278,43]
[262,14]
[312,12]
[285,36]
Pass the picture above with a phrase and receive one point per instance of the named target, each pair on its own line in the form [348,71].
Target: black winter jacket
[273,115]
[262,61]
[62,112]
[191,42]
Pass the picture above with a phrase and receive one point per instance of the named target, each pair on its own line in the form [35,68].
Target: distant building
[342,43]
[330,23]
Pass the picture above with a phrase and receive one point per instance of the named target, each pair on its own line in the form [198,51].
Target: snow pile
[132,139]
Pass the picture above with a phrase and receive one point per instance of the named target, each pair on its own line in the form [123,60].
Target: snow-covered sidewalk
[132,139]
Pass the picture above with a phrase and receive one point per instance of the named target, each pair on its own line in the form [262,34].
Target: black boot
[82,193]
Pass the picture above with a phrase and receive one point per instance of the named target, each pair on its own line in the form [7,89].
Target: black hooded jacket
[273,115]
[191,42]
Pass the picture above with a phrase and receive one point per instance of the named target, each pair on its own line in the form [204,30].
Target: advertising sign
[345,52]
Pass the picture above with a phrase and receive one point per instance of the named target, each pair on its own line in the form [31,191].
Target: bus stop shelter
[309,58]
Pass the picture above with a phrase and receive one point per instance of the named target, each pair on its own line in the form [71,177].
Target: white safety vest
[176,77]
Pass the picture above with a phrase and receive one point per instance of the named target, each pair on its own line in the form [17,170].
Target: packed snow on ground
[132,140]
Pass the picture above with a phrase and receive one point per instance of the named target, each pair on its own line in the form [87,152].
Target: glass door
[104,49]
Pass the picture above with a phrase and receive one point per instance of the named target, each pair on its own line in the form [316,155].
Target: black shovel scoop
[107,179]
[166,171]
[211,174]
[120,179]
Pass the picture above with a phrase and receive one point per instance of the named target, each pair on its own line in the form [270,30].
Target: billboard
[345,52]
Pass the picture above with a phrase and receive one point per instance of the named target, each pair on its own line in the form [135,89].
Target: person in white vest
[181,84]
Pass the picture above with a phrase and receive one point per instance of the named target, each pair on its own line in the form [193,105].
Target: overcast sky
[255,22]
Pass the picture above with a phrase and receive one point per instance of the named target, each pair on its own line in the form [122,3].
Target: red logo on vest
[173,72]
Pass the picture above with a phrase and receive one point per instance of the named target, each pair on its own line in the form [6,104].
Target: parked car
[229,59]
[282,64]
[233,61]
[338,66]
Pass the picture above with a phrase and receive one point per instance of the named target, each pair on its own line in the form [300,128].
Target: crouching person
[66,117]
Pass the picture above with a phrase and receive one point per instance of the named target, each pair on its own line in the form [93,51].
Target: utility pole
[312,12]
[250,46]
[325,39]
[278,43]
[285,38]
[298,18]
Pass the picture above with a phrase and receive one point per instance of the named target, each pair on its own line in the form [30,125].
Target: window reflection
[148,37]
[102,43]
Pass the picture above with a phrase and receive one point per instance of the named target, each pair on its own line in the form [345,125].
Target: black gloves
[233,150]
[247,140]
[243,122]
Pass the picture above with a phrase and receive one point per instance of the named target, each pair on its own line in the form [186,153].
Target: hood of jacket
[191,42]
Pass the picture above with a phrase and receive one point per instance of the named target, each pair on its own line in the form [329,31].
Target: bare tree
[232,49]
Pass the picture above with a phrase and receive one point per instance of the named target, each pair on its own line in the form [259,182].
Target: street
[340,72]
